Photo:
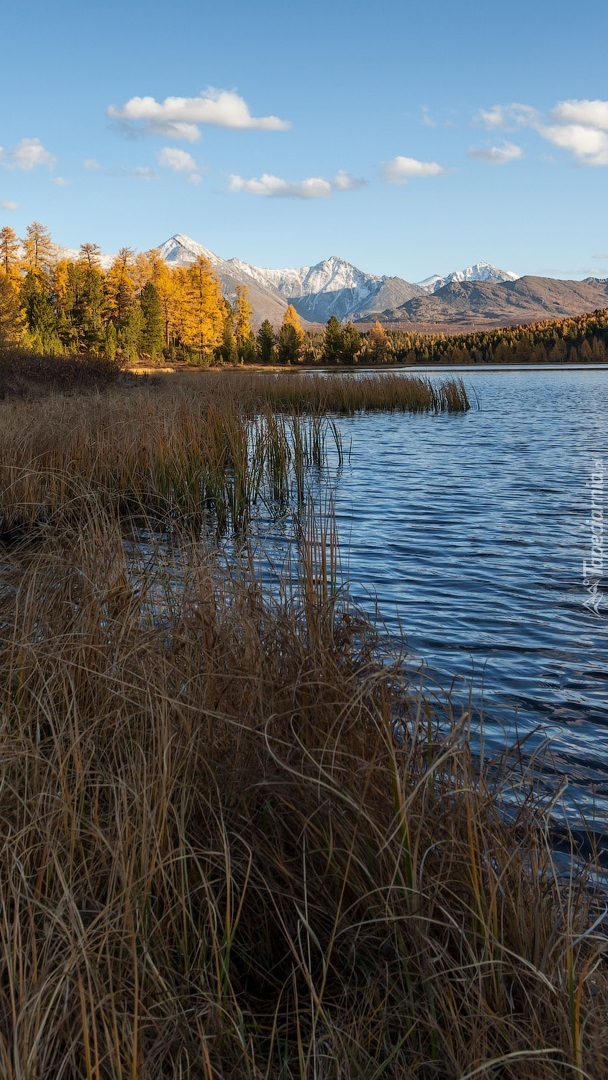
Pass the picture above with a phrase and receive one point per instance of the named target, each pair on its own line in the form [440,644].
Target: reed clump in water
[233,845]
[163,452]
[344,393]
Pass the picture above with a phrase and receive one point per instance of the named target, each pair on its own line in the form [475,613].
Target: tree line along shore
[141,310]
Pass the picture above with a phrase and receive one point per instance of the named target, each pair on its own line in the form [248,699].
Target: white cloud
[180,161]
[27,155]
[593,114]
[141,172]
[9,204]
[402,169]
[314,187]
[497,155]
[582,128]
[59,181]
[343,181]
[177,160]
[578,126]
[588,145]
[137,172]
[508,117]
[181,117]
[427,119]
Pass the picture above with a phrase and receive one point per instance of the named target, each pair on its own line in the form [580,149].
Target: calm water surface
[470,533]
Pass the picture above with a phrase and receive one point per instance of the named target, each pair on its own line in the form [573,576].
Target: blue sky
[385,134]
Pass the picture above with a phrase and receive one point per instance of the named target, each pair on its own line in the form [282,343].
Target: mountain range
[332,287]
[478,297]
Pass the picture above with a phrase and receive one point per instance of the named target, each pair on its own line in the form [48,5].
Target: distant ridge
[480,271]
[468,305]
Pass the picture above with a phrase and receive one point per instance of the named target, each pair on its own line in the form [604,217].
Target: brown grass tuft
[235,843]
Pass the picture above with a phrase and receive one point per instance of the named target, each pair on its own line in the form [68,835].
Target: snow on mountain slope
[331,287]
[481,271]
[180,250]
[332,275]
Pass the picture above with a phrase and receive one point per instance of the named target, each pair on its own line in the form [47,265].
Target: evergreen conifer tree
[266,345]
[351,344]
[291,337]
[333,342]
[153,333]
[228,351]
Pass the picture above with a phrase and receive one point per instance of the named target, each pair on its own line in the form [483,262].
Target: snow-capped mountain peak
[181,250]
[330,287]
[480,271]
[331,275]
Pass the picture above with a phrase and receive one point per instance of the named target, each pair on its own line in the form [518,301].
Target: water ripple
[470,531]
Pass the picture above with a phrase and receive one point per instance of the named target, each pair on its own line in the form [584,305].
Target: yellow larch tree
[38,250]
[202,308]
[10,252]
[120,286]
[291,337]
[12,318]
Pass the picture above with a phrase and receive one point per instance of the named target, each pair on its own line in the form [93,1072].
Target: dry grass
[220,858]
[26,374]
[186,458]
[211,446]
[233,842]
[346,394]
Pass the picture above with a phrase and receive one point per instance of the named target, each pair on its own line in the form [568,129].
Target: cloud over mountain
[582,128]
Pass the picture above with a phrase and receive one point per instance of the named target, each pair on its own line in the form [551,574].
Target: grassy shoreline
[236,842]
[202,449]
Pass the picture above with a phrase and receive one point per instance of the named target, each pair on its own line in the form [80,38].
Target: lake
[470,532]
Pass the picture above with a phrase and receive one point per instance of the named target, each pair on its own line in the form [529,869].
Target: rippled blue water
[470,532]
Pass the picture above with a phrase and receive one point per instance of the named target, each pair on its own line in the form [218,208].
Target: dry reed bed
[214,444]
[346,393]
[216,859]
[182,457]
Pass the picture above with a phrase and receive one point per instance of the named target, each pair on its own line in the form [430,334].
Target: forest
[139,309]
